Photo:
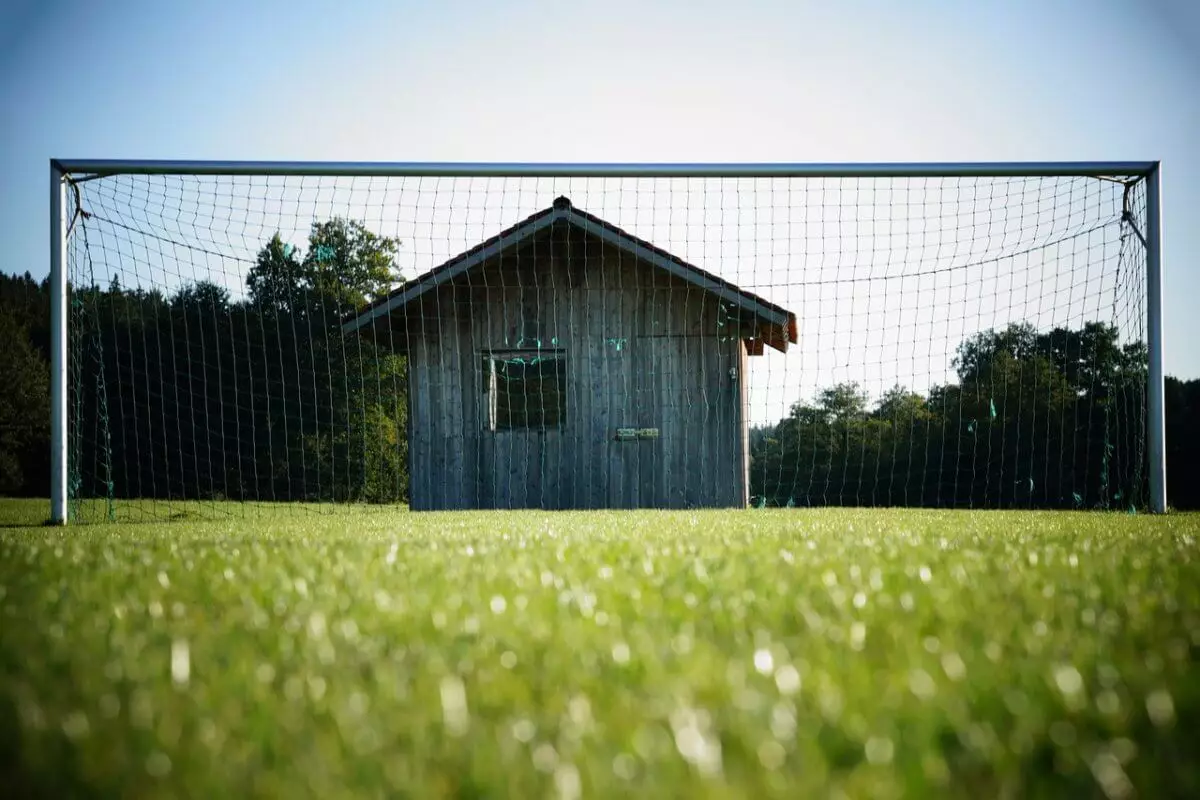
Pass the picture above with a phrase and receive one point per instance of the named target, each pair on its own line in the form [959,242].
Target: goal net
[238,342]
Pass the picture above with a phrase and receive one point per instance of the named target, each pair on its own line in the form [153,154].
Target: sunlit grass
[756,653]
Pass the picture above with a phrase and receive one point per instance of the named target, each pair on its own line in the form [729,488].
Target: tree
[28,301]
[348,264]
[976,354]
[276,278]
[842,402]
[202,297]
[24,403]
[901,406]
[1050,419]
[1183,443]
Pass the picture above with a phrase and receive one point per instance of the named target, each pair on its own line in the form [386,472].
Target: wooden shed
[565,363]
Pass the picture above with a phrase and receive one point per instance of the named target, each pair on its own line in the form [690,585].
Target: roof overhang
[562,211]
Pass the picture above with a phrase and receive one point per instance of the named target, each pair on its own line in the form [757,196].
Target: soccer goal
[230,337]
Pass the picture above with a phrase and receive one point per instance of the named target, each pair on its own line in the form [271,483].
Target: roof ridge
[561,209]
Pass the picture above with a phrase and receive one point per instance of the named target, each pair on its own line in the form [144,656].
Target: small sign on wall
[632,434]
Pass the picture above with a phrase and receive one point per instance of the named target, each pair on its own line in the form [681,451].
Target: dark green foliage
[274,283]
[23,402]
[1052,420]
[1183,442]
[28,301]
[346,266]
[24,398]
[201,396]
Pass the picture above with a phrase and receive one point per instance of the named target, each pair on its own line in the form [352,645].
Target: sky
[857,80]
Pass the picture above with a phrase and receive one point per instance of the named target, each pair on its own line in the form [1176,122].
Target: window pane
[530,391]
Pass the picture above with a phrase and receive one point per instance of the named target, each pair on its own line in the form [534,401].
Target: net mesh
[604,342]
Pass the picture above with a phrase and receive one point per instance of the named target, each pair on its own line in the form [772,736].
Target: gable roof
[780,322]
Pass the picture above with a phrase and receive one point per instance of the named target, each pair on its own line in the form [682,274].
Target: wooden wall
[643,349]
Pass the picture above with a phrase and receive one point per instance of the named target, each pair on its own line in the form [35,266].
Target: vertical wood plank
[571,434]
[419,397]
[479,315]
[558,493]
[435,412]
[653,412]
[743,422]
[706,355]
[699,422]
[468,427]
[598,390]
[414,499]
[618,398]
[452,400]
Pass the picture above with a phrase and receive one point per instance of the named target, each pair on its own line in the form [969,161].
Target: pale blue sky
[858,80]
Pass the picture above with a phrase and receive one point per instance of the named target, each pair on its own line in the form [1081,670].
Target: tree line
[196,395]
[1035,420]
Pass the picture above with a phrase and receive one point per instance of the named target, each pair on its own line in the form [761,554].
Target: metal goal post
[66,172]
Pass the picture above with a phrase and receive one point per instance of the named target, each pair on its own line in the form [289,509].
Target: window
[525,389]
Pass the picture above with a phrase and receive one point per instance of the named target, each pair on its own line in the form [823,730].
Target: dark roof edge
[563,210]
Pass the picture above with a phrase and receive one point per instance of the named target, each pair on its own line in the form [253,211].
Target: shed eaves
[782,320]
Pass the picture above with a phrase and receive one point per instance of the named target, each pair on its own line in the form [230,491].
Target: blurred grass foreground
[762,653]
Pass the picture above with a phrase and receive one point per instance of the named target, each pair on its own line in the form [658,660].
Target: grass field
[781,653]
